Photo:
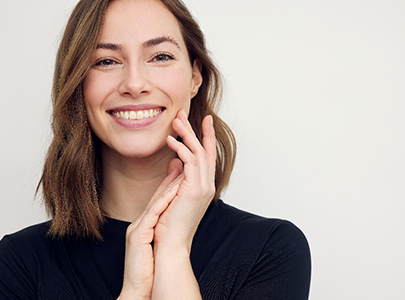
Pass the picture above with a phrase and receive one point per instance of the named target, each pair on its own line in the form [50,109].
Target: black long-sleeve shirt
[235,255]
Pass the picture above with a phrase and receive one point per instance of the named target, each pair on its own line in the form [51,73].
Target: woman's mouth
[136,114]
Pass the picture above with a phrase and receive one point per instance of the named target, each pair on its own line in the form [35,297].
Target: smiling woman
[135,170]
[147,69]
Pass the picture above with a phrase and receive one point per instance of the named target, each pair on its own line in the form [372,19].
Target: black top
[235,255]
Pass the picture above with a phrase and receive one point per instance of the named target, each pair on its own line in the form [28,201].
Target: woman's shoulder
[264,236]
[33,263]
[26,238]
[20,254]
[229,221]
[24,246]
[257,255]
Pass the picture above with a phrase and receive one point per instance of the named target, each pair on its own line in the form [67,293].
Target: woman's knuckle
[131,236]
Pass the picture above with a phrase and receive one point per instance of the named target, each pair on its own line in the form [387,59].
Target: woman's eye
[105,62]
[162,57]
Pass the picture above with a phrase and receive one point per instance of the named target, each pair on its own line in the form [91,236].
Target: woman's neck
[129,183]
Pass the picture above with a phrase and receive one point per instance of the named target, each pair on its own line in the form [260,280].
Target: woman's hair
[72,174]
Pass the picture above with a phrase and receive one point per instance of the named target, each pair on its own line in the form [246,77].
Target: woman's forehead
[138,21]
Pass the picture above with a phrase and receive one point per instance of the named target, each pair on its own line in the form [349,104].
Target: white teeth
[136,115]
[132,115]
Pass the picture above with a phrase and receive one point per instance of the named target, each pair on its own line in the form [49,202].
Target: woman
[134,173]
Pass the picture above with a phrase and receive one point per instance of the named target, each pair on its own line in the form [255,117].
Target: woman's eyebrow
[159,40]
[109,46]
[147,44]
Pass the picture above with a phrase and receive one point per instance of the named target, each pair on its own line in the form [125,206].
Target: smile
[136,115]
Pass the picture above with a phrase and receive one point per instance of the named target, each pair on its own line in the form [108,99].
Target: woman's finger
[209,140]
[159,203]
[184,129]
[183,152]
[175,164]
[182,116]
[174,169]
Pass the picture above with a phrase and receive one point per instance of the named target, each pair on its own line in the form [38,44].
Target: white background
[315,93]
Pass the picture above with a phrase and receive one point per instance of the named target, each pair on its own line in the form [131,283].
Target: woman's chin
[136,152]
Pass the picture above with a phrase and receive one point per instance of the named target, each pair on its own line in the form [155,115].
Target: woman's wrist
[174,276]
[172,251]
[136,292]
[132,296]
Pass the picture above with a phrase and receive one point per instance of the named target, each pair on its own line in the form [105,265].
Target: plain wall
[315,93]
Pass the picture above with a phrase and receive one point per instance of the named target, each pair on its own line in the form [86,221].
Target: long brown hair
[71,179]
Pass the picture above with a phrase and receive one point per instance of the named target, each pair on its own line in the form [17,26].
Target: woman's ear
[196,79]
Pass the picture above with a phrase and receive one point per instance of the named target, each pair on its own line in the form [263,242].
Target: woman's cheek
[176,83]
[94,85]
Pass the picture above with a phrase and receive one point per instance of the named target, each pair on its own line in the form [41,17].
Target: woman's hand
[139,260]
[178,224]
[174,277]
[171,220]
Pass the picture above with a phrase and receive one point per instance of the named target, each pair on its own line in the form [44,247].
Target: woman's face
[141,77]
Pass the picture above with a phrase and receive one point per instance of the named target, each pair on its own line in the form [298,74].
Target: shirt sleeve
[15,279]
[283,270]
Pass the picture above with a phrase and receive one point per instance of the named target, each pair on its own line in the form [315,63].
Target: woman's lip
[134,107]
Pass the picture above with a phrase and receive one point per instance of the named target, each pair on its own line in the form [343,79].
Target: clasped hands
[163,271]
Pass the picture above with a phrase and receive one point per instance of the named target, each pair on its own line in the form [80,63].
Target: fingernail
[174,187]
[179,121]
[184,113]
[212,120]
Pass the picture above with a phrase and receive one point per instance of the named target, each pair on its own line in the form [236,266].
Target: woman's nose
[134,81]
